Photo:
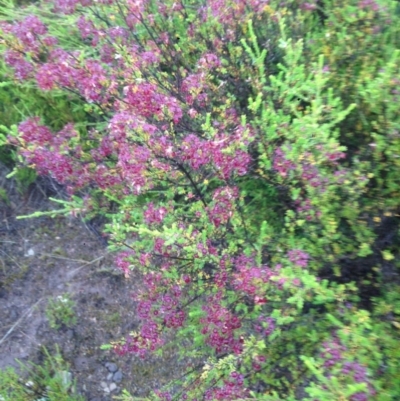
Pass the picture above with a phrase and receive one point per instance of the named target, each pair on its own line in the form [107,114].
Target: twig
[9,256]
[63,258]
[85,264]
[19,321]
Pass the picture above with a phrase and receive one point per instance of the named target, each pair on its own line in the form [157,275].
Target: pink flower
[298,257]
[154,215]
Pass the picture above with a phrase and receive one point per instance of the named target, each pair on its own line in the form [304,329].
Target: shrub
[48,381]
[60,312]
[251,155]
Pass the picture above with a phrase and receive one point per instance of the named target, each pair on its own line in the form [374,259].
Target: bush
[60,312]
[48,381]
[250,157]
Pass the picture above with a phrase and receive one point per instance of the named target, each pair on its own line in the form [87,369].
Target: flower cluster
[305,208]
[232,389]
[195,152]
[369,5]
[88,30]
[22,69]
[359,374]
[221,276]
[333,355]
[153,215]
[159,304]
[222,207]
[28,30]
[258,362]
[132,161]
[146,100]
[123,263]
[198,153]
[34,133]
[163,395]
[281,164]
[50,154]
[307,169]
[220,327]
[308,6]
[250,278]
[171,308]
[332,352]
[298,257]
[147,340]
[194,87]
[265,326]
[69,6]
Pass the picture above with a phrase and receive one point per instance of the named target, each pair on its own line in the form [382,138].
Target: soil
[42,258]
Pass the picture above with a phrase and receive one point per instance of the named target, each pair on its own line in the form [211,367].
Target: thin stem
[194,185]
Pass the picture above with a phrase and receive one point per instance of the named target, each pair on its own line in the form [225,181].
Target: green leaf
[334,321]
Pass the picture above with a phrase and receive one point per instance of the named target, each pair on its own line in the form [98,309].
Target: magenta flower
[298,257]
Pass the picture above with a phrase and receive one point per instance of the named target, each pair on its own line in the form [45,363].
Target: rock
[66,378]
[110,376]
[112,387]
[112,367]
[103,384]
[30,252]
[117,376]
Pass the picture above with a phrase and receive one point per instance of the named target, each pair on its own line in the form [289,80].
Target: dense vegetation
[246,154]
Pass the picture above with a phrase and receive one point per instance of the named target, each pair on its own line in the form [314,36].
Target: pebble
[117,376]
[110,376]
[30,252]
[108,388]
[112,367]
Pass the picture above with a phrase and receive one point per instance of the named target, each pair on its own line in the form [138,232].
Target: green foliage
[50,381]
[60,312]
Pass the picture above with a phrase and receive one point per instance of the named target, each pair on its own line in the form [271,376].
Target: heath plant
[60,312]
[248,150]
[50,381]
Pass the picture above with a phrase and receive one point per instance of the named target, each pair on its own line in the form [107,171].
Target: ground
[42,258]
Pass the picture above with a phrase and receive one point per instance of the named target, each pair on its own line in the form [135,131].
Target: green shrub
[60,312]
[49,381]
